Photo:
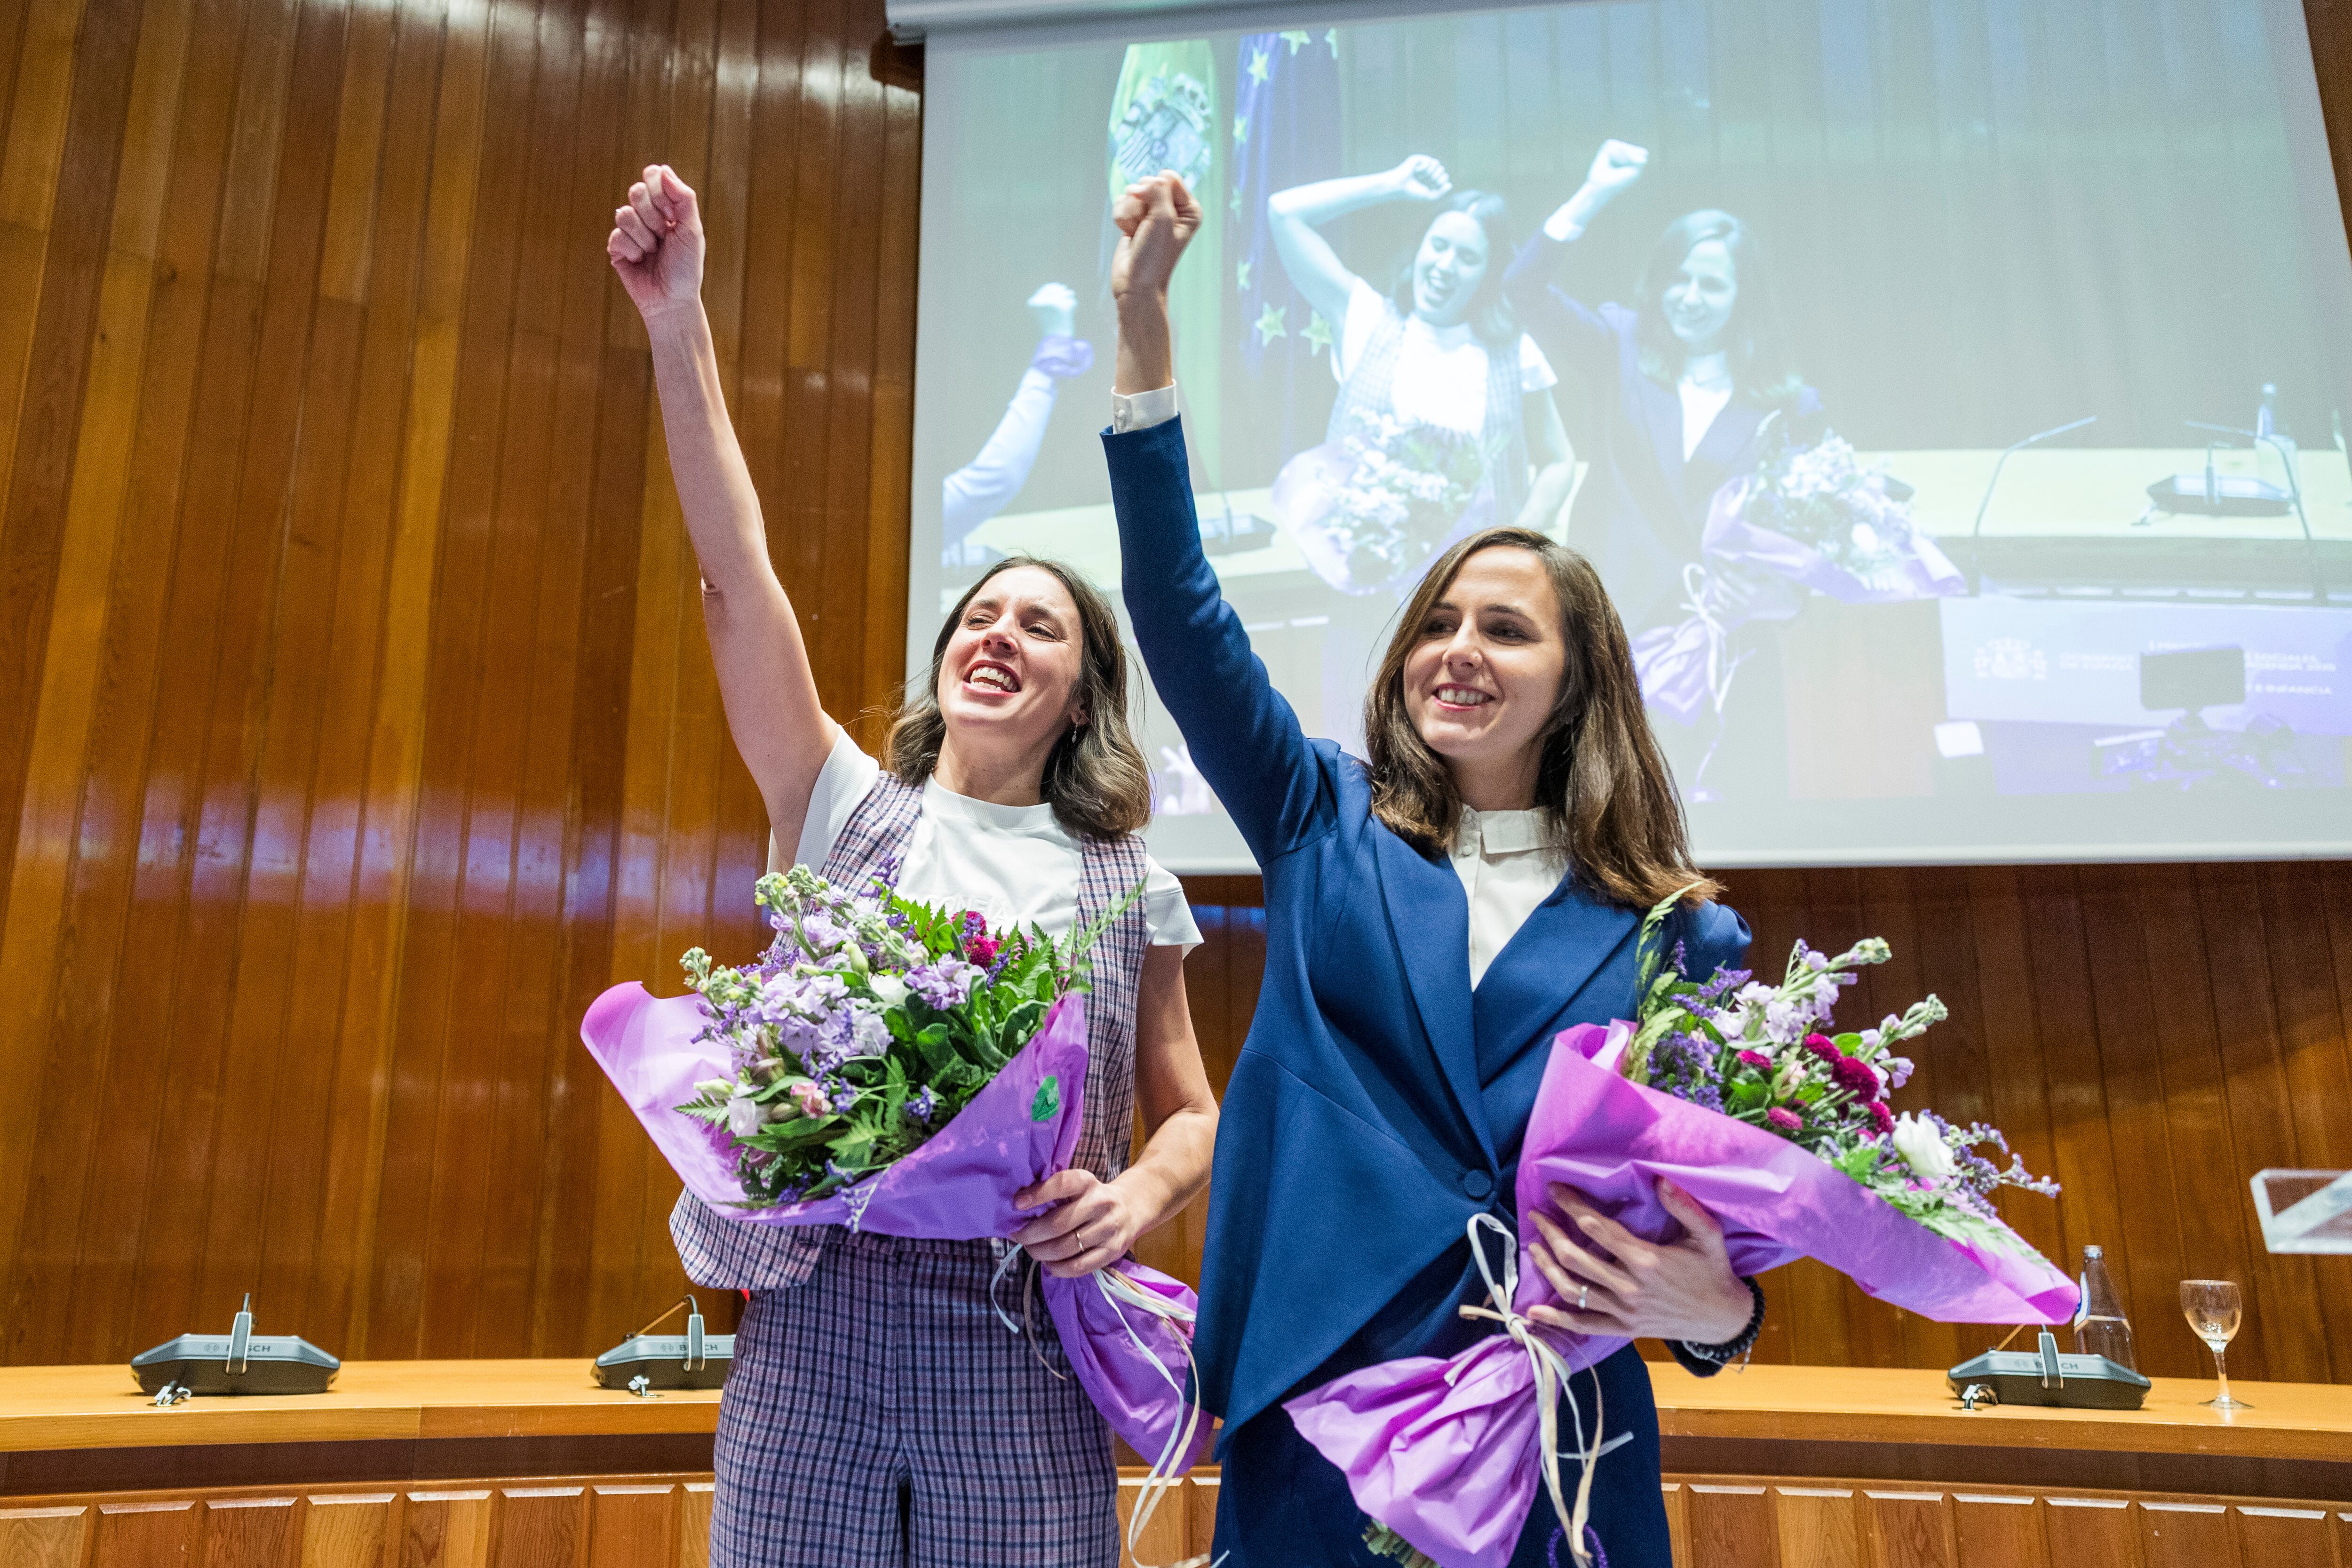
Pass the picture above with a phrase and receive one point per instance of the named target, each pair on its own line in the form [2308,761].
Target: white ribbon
[1121,1292]
[1551,1378]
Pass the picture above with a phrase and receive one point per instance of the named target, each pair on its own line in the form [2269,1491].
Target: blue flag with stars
[1285,132]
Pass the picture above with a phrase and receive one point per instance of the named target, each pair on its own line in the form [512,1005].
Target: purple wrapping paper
[957,1187]
[1453,1467]
[1671,660]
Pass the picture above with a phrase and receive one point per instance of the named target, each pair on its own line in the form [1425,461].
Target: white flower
[1922,1148]
[889,989]
[743,1116]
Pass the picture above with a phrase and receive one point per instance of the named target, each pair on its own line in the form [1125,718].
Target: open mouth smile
[1461,699]
[987,675]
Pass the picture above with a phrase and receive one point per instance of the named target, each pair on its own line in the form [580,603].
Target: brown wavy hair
[1607,795]
[1096,778]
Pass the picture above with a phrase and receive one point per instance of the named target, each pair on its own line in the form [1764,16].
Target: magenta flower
[1825,1048]
[1784,1119]
[1757,1059]
[980,950]
[1880,1117]
[1855,1076]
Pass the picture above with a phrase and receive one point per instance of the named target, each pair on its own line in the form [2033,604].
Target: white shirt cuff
[1143,410]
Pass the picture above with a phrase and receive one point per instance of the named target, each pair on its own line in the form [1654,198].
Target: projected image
[1951,402]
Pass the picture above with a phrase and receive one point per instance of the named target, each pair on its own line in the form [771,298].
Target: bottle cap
[2090,1252]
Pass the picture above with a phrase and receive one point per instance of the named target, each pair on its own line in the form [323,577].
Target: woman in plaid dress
[879,1414]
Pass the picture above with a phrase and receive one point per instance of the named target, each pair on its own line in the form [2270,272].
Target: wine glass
[2212,1308]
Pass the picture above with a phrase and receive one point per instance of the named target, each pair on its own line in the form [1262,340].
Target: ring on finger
[1580,1297]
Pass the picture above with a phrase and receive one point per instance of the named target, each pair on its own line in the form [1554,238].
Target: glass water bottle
[2100,1326]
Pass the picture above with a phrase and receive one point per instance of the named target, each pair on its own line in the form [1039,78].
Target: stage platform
[527,1463]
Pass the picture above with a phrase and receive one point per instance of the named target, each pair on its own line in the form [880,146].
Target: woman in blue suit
[1433,919]
[1681,385]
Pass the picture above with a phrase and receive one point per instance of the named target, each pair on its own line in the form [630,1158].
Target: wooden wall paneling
[374,227]
[252,1532]
[2091,1533]
[2187,1534]
[430,1209]
[351,1530]
[481,1290]
[64,131]
[1996,1527]
[1678,1540]
[430,170]
[890,467]
[2303,1536]
[561,1080]
[1820,1527]
[537,1526]
[630,1526]
[164,1534]
[694,1524]
[262,755]
[1910,1529]
[2315,1034]
[84,765]
[2281,1293]
[1732,1525]
[50,1537]
[445,1529]
[1166,1537]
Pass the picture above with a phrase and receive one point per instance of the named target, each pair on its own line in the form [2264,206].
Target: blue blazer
[1643,505]
[1379,1101]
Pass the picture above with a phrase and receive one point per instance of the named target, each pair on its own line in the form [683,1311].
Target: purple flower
[1723,983]
[1784,1119]
[845,1099]
[922,1106]
[944,984]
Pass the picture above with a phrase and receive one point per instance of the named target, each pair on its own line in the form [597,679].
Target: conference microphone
[1976,530]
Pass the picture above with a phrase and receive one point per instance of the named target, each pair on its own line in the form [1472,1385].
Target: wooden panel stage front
[523,1464]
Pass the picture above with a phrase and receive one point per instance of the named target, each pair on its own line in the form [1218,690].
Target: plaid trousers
[880,1416]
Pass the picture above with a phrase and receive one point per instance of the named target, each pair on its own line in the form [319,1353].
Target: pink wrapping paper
[1452,1467]
[957,1186]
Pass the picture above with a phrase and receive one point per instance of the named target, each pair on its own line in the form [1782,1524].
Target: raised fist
[1157,218]
[1616,166]
[1421,178]
[656,241]
[1054,309]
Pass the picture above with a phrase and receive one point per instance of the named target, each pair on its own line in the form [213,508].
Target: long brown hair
[1756,350]
[1095,780]
[1607,795]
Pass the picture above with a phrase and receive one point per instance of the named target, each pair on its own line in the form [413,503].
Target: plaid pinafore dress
[880,1414]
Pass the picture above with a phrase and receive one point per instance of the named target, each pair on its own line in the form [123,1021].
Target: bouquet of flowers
[1369,510]
[1812,518]
[1733,1090]
[895,1067]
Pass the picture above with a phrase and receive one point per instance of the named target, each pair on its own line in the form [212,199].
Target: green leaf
[1047,1103]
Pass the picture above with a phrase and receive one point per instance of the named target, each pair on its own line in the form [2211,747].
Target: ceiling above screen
[925,19]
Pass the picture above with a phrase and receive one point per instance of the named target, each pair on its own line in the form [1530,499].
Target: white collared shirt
[1508,868]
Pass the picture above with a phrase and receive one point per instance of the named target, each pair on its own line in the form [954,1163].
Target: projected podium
[2304,1211]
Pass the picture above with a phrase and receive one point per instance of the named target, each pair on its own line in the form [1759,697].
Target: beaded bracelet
[1740,1344]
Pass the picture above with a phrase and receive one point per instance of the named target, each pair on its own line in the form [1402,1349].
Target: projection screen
[1951,395]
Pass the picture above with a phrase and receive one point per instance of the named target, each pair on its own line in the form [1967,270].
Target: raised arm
[764,679]
[1569,331]
[1243,737]
[1312,265]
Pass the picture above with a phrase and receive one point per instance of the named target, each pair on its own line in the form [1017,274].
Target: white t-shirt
[1440,372]
[1014,864]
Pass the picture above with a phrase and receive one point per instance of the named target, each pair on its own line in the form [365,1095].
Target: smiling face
[1699,296]
[1009,675]
[1448,268]
[1482,676]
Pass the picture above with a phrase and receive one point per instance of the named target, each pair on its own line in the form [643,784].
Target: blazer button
[1478,1184]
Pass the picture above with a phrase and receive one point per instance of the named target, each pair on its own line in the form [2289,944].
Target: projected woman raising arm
[1441,348]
